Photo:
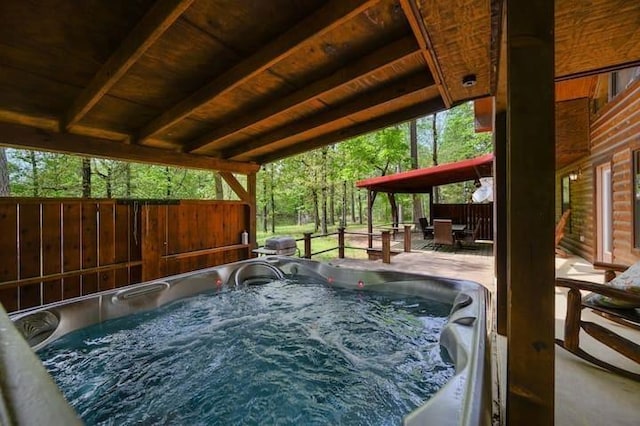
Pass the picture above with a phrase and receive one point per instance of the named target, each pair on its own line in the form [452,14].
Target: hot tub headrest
[280,243]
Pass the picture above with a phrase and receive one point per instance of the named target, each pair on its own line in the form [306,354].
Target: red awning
[422,180]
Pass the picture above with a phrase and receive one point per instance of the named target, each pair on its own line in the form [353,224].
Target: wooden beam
[530,222]
[382,58]
[235,186]
[19,136]
[150,28]
[400,116]
[412,12]
[389,93]
[500,217]
[322,21]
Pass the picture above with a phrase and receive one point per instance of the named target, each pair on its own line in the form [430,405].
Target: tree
[86,177]
[5,189]
[413,141]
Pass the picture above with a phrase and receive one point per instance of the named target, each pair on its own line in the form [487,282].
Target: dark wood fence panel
[468,214]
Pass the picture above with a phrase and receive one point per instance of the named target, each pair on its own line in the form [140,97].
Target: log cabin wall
[57,249]
[614,136]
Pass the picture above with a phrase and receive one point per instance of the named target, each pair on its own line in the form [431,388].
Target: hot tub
[464,400]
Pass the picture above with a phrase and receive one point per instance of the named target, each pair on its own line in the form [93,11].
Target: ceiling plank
[401,116]
[322,21]
[381,58]
[426,47]
[388,93]
[151,27]
[19,136]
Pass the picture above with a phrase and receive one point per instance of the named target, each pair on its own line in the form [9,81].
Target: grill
[284,246]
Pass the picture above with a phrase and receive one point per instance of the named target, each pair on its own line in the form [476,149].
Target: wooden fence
[56,249]
[468,214]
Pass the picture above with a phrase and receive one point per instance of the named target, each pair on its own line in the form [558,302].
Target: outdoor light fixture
[573,175]
[469,80]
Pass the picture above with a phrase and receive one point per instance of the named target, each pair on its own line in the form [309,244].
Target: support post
[530,225]
[407,238]
[431,206]
[500,217]
[386,247]
[307,245]
[253,213]
[370,218]
[341,242]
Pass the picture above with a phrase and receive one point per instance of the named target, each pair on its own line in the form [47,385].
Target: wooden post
[307,245]
[572,320]
[341,242]
[431,206]
[386,247]
[253,212]
[407,238]
[500,218]
[530,224]
[370,218]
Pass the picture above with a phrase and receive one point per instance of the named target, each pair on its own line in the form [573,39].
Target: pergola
[229,85]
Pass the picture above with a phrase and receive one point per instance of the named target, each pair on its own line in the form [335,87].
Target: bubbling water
[285,352]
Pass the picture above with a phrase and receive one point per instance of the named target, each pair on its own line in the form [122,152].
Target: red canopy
[422,180]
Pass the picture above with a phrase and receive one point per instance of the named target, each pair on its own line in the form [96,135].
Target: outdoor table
[454,228]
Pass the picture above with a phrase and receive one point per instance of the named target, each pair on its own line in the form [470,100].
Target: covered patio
[230,86]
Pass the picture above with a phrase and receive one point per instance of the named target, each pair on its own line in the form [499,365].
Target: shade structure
[422,180]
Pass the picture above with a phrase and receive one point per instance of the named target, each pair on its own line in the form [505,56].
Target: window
[636,198]
[566,197]
[620,80]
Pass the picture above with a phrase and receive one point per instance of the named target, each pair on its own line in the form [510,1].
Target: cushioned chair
[616,301]
[442,234]
[469,237]
[424,224]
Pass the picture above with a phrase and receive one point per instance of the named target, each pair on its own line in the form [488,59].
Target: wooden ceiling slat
[160,17]
[32,138]
[421,34]
[401,116]
[381,58]
[325,19]
[388,93]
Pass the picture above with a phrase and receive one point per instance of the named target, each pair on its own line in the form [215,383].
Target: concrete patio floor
[585,394]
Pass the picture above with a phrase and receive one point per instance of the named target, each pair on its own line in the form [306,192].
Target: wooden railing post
[341,242]
[407,238]
[307,245]
[386,247]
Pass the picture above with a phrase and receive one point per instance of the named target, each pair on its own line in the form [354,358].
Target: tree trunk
[265,208]
[168,181]
[413,139]
[394,208]
[5,189]
[273,203]
[436,197]
[35,188]
[316,210]
[109,181]
[128,187]
[359,208]
[332,204]
[353,204]
[86,177]
[344,203]
[219,190]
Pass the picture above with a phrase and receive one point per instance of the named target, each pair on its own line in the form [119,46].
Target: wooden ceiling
[231,84]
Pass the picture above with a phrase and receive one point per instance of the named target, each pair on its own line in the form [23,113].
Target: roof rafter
[322,21]
[415,111]
[386,94]
[421,34]
[33,138]
[151,27]
[381,58]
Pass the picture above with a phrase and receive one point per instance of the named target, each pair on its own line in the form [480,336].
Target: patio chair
[628,315]
[442,233]
[560,232]
[470,237]
[427,234]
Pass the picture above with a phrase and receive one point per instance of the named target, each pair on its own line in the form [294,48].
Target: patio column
[370,200]
[530,222]
[500,217]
